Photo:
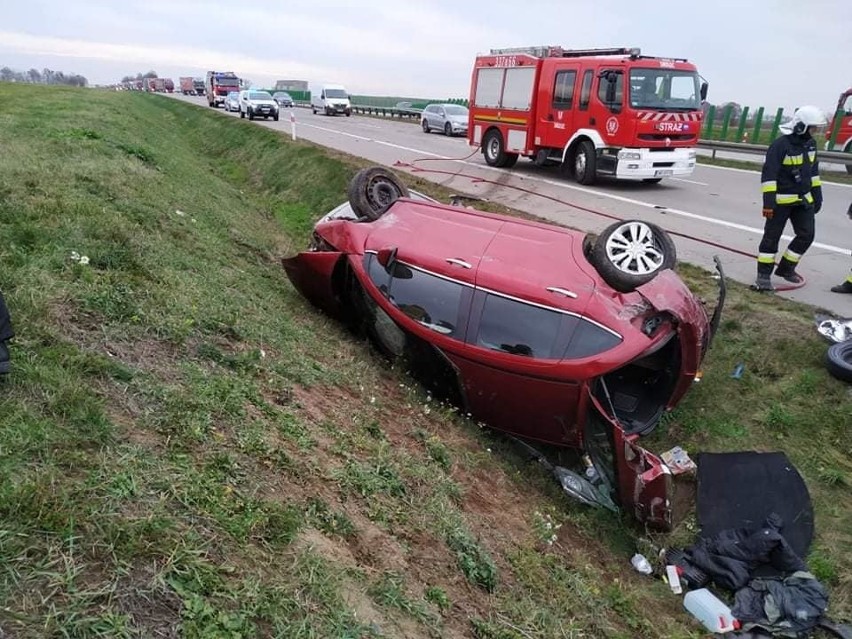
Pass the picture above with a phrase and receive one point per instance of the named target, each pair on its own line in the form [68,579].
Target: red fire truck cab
[843,142]
[597,112]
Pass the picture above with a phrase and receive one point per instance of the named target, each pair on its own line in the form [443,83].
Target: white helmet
[803,118]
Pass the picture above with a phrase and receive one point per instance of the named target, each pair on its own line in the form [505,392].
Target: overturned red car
[536,330]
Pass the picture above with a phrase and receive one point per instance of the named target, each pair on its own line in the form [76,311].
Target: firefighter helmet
[805,117]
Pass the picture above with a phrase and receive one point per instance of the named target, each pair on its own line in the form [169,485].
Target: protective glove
[768,213]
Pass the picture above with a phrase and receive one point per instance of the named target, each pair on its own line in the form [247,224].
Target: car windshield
[335,93]
[452,109]
[259,95]
[664,89]
[283,96]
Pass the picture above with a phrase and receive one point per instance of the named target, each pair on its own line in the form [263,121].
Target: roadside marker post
[293,124]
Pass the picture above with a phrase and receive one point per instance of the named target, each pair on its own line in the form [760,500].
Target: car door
[557,94]
[641,483]
[530,298]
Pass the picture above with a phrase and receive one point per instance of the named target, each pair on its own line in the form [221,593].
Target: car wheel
[448,130]
[838,360]
[275,117]
[250,114]
[425,125]
[373,190]
[242,114]
[631,253]
[585,163]
[495,150]
[313,110]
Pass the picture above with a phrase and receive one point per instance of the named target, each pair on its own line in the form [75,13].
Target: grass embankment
[189,449]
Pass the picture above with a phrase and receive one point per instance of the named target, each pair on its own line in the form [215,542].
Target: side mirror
[704,87]
[387,256]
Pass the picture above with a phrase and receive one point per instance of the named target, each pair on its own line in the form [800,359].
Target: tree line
[139,76]
[45,76]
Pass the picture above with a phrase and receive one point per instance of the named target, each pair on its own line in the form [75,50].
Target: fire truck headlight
[629,155]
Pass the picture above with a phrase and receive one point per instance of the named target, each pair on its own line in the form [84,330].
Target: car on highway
[257,104]
[232,101]
[535,330]
[406,108]
[450,119]
[283,99]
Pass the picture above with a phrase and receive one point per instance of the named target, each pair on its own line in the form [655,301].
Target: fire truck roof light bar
[559,52]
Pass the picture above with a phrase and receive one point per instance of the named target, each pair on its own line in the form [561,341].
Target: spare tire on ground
[631,253]
[373,190]
[838,360]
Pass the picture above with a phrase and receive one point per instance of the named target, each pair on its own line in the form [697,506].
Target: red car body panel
[542,267]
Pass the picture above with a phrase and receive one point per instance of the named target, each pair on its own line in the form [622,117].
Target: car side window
[378,274]
[518,328]
[590,339]
[586,90]
[563,90]
[432,301]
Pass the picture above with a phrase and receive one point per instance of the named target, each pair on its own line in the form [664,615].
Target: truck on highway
[597,112]
[186,85]
[331,99]
[218,85]
[169,85]
[843,142]
[198,85]
[160,85]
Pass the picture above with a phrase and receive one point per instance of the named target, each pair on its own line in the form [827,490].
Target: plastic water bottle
[710,610]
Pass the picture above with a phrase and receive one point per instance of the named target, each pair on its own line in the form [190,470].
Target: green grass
[189,449]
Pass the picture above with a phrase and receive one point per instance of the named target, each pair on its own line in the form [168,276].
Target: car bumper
[644,164]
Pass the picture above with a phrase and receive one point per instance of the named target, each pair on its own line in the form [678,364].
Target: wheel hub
[632,249]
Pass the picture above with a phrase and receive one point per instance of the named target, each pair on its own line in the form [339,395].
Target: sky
[756,52]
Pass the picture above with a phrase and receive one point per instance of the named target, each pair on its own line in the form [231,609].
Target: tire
[652,180]
[838,360]
[448,130]
[250,114]
[585,163]
[373,190]
[495,151]
[242,114]
[624,273]
[275,117]
[313,110]
[425,125]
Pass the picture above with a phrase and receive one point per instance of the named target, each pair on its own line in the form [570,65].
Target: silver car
[232,102]
[451,119]
[257,104]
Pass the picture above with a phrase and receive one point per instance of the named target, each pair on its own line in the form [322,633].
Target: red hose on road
[479,180]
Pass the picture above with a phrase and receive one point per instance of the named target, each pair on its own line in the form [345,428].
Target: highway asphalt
[715,211]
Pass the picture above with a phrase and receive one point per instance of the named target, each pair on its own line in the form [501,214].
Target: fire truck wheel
[585,163]
[495,151]
[631,253]
[373,190]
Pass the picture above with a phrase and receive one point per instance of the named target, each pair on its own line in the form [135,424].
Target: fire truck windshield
[667,89]
[228,82]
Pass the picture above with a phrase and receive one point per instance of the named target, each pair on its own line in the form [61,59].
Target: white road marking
[612,196]
[689,181]
[349,135]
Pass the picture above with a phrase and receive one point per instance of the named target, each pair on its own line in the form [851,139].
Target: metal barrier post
[778,115]
[741,127]
[758,121]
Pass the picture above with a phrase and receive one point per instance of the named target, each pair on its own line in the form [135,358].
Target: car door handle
[562,291]
[458,262]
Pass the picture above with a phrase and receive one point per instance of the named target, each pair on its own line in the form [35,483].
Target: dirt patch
[152,608]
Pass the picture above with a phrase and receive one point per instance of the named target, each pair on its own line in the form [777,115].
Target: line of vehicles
[151,85]
[599,113]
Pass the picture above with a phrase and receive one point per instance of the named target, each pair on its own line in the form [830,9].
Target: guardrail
[833,157]
[388,112]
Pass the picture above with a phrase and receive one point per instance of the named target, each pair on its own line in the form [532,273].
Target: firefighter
[5,335]
[846,286]
[792,190]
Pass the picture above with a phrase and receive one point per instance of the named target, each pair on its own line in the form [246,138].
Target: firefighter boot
[763,283]
[846,287]
[4,358]
[787,270]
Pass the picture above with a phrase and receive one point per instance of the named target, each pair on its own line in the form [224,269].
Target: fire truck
[218,85]
[596,112]
[844,133]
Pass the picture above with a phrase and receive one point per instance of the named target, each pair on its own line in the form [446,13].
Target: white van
[331,99]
